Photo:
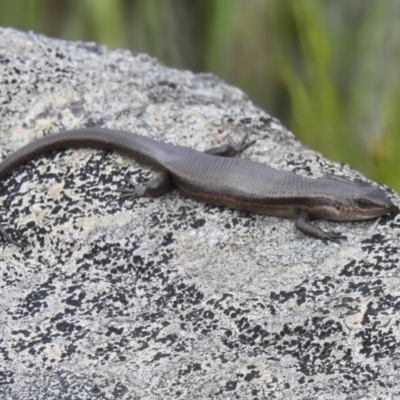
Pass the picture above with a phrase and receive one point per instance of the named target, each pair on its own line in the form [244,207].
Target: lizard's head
[357,200]
[369,202]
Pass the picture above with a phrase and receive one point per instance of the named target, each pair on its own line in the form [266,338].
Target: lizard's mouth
[370,212]
[340,212]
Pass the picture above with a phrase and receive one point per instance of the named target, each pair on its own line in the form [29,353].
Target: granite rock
[170,298]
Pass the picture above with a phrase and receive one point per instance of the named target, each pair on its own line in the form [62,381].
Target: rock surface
[170,298]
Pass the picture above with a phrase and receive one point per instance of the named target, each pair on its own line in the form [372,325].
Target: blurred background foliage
[329,70]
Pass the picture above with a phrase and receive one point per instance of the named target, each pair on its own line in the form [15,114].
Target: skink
[215,177]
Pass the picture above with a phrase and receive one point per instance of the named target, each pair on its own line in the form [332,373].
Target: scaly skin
[215,178]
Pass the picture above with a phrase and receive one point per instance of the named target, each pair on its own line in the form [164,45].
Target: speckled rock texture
[170,298]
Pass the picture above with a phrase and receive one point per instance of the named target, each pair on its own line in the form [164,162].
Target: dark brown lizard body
[217,178]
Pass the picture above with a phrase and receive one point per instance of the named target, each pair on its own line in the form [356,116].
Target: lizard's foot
[230,149]
[332,236]
[302,224]
[157,186]
[131,190]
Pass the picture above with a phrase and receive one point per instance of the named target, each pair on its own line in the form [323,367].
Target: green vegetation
[328,70]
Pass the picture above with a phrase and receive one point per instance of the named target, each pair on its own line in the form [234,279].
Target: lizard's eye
[364,204]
